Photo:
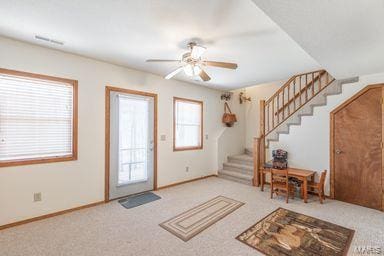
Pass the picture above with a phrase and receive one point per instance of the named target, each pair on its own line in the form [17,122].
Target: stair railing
[294,94]
[286,101]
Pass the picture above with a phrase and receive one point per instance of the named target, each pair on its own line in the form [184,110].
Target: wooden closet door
[358,151]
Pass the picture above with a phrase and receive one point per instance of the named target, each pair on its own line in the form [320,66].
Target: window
[187,124]
[38,118]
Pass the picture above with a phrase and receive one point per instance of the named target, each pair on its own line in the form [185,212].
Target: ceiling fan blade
[203,75]
[159,60]
[197,51]
[220,64]
[173,73]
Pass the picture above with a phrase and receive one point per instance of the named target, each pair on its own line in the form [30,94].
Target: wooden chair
[319,186]
[280,184]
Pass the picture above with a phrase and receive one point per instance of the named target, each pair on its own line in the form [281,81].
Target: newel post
[256,161]
[259,147]
[262,133]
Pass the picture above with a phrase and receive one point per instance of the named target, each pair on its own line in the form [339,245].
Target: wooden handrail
[289,98]
[297,95]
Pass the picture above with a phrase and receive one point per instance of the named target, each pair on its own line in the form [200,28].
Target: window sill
[37,161]
[187,148]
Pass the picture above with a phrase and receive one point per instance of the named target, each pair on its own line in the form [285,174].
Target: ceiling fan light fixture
[192,70]
[188,70]
[197,51]
[192,64]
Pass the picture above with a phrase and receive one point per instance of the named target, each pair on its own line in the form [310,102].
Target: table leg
[302,191]
[305,184]
[262,177]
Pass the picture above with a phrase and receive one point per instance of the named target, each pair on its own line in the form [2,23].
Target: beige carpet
[192,222]
[113,230]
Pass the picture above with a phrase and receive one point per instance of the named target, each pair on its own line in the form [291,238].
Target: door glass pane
[133,139]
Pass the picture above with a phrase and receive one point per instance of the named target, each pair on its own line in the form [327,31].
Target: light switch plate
[37,197]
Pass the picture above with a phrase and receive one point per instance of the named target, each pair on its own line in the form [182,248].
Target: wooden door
[358,150]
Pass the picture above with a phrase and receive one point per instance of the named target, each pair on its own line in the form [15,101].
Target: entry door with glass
[131,144]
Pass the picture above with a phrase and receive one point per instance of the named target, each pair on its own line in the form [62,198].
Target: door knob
[338,151]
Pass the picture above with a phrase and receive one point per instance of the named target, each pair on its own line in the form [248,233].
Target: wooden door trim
[108,90]
[332,137]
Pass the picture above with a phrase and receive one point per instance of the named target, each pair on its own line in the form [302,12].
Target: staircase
[296,98]
[238,168]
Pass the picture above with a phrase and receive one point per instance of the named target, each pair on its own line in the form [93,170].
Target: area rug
[192,222]
[284,232]
[140,199]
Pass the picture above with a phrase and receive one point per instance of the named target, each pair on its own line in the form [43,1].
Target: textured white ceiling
[345,36]
[129,32]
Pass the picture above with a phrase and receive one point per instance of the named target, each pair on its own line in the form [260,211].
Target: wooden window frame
[42,160]
[175,99]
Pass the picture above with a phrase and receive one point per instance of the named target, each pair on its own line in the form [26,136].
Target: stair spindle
[278,113]
[289,99]
[294,94]
[301,93]
[283,103]
[268,117]
[273,113]
[306,88]
[313,84]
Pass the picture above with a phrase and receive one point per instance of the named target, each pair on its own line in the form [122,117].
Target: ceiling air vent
[46,39]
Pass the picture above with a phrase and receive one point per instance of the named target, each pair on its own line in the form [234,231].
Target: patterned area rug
[284,232]
[192,222]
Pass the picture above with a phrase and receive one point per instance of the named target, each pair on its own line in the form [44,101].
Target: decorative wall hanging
[243,98]
[228,117]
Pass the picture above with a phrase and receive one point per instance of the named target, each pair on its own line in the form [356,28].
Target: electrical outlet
[37,197]
[206,136]
[187,169]
[163,137]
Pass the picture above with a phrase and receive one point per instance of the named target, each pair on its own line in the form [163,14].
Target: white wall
[252,112]
[229,135]
[71,184]
[308,145]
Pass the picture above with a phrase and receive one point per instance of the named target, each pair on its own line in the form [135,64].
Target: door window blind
[36,118]
[188,124]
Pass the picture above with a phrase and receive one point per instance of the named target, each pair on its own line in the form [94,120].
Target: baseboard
[18,223]
[14,224]
[187,181]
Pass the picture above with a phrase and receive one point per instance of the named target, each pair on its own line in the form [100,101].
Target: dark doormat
[136,200]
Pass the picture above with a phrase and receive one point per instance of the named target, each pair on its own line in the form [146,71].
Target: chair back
[322,178]
[279,175]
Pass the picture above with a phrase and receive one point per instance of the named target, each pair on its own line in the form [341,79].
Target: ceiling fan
[192,64]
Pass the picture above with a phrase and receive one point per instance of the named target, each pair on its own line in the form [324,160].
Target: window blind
[187,124]
[36,118]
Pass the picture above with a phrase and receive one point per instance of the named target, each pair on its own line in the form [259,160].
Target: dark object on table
[268,165]
[280,159]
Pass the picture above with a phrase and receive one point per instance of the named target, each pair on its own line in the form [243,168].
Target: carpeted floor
[113,230]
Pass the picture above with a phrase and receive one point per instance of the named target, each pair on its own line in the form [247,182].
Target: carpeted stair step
[248,151]
[240,168]
[241,159]
[236,176]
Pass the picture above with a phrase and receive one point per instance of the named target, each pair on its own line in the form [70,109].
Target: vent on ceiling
[49,40]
